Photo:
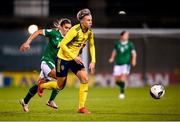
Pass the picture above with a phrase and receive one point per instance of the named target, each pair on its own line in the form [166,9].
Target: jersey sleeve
[115,45]
[47,32]
[68,38]
[92,48]
[133,48]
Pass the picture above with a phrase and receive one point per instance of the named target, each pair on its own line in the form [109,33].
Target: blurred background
[154,28]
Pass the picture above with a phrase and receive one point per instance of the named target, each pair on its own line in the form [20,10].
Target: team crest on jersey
[122,49]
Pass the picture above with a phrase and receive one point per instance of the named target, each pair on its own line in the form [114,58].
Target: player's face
[87,21]
[125,36]
[65,28]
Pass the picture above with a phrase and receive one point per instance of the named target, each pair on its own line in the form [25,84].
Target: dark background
[156,13]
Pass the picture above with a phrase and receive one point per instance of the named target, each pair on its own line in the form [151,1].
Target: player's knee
[63,86]
[84,79]
[61,83]
[60,86]
[120,79]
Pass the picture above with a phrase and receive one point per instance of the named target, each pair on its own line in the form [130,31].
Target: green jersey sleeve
[48,32]
[115,44]
[132,47]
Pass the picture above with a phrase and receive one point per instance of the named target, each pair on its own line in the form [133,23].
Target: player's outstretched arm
[113,54]
[26,45]
[93,54]
[133,59]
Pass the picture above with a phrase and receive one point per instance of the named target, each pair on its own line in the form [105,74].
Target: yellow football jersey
[74,41]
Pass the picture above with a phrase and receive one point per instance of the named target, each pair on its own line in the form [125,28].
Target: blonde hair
[61,22]
[82,13]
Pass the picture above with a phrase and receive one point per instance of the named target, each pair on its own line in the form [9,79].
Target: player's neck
[84,29]
[124,42]
[61,33]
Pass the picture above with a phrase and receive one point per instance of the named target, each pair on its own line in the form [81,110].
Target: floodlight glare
[32,28]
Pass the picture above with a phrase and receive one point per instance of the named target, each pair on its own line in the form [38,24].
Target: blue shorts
[62,67]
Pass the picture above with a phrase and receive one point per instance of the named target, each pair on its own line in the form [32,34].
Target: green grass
[103,103]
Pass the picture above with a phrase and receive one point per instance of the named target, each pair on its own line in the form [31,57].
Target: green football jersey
[123,52]
[51,49]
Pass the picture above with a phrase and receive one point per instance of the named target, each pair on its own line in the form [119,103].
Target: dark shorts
[62,67]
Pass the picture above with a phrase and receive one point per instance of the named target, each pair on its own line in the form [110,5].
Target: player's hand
[24,47]
[92,67]
[78,60]
[111,60]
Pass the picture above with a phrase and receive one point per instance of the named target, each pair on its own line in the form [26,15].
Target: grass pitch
[102,102]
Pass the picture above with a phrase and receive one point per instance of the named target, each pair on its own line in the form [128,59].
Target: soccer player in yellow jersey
[68,57]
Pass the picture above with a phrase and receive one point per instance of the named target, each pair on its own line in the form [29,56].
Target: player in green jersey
[55,35]
[124,55]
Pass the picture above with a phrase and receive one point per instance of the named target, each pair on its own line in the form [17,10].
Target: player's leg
[83,90]
[120,81]
[24,102]
[32,91]
[62,67]
[59,84]
[48,69]
[56,87]
[47,72]
[61,74]
[80,72]
[54,92]
[121,72]
[51,102]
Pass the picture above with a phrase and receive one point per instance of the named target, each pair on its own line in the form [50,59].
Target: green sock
[53,94]
[121,84]
[56,91]
[31,93]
